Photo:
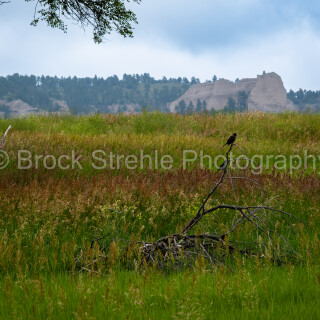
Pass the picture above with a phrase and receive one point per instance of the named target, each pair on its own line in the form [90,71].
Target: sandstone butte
[265,93]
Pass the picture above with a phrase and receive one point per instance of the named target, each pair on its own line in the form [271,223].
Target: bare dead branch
[3,139]
[181,250]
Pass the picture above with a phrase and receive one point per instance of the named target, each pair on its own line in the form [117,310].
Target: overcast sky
[229,38]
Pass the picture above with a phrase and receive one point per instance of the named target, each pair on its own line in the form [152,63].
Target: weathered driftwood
[3,139]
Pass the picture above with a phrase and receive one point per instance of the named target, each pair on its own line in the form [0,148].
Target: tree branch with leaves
[103,16]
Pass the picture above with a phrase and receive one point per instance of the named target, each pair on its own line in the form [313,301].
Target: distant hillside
[305,101]
[23,95]
[88,95]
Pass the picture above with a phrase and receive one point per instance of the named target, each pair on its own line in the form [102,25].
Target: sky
[201,38]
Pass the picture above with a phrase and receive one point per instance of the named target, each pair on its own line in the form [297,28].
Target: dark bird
[231,139]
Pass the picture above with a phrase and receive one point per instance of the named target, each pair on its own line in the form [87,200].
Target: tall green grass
[255,126]
[47,215]
[287,293]
[258,134]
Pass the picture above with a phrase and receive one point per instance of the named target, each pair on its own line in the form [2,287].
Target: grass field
[47,214]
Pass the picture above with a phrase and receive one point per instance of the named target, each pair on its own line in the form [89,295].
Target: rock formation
[19,108]
[265,93]
[269,95]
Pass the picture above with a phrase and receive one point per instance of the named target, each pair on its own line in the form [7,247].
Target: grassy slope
[45,216]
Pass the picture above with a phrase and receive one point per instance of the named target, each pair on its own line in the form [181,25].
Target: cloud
[207,24]
[236,38]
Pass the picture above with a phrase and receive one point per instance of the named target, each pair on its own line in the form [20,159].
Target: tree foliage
[181,107]
[303,96]
[103,16]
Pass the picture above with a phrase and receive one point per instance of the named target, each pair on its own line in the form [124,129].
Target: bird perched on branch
[231,139]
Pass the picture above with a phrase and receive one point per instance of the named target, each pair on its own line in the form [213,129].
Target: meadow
[46,215]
